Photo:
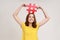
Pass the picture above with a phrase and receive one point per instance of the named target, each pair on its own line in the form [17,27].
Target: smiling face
[31,18]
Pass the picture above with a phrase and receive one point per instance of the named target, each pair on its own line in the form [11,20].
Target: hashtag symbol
[31,8]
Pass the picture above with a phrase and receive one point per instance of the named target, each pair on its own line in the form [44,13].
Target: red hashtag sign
[31,8]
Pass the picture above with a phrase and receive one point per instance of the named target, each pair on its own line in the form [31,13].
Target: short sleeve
[38,25]
[22,24]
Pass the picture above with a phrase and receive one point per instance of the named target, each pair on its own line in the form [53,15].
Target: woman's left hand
[39,7]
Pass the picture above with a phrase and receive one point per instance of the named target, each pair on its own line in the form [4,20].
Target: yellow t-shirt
[29,33]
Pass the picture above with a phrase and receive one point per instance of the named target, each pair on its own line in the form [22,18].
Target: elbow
[48,18]
[13,15]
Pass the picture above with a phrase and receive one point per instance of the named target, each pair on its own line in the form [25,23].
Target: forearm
[17,11]
[45,20]
[45,14]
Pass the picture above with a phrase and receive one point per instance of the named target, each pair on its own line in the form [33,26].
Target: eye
[29,16]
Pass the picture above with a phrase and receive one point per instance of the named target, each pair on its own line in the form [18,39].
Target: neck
[30,24]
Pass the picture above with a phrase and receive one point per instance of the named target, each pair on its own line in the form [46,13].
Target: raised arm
[15,14]
[46,19]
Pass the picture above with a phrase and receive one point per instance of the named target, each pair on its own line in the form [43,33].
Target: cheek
[29,19]
[33,19]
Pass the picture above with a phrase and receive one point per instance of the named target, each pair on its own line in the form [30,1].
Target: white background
[10,29]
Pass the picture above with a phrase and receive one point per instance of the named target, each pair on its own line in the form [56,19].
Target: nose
[30,19]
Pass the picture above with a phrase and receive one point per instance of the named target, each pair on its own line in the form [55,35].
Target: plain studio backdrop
[10,29]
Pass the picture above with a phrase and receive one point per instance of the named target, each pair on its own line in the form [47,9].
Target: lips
[30,19]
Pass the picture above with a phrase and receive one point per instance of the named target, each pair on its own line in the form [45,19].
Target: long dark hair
[27,23]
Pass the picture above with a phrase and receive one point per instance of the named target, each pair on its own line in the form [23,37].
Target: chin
[30,22]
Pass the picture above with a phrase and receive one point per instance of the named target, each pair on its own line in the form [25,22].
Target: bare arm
[15,14]
[46,19]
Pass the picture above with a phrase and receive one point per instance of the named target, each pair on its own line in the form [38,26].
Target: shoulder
[23,23]
[38,24]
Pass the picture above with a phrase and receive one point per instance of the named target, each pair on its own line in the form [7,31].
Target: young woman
[30,26]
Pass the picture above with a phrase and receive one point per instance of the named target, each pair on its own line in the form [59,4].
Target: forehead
[31,15]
